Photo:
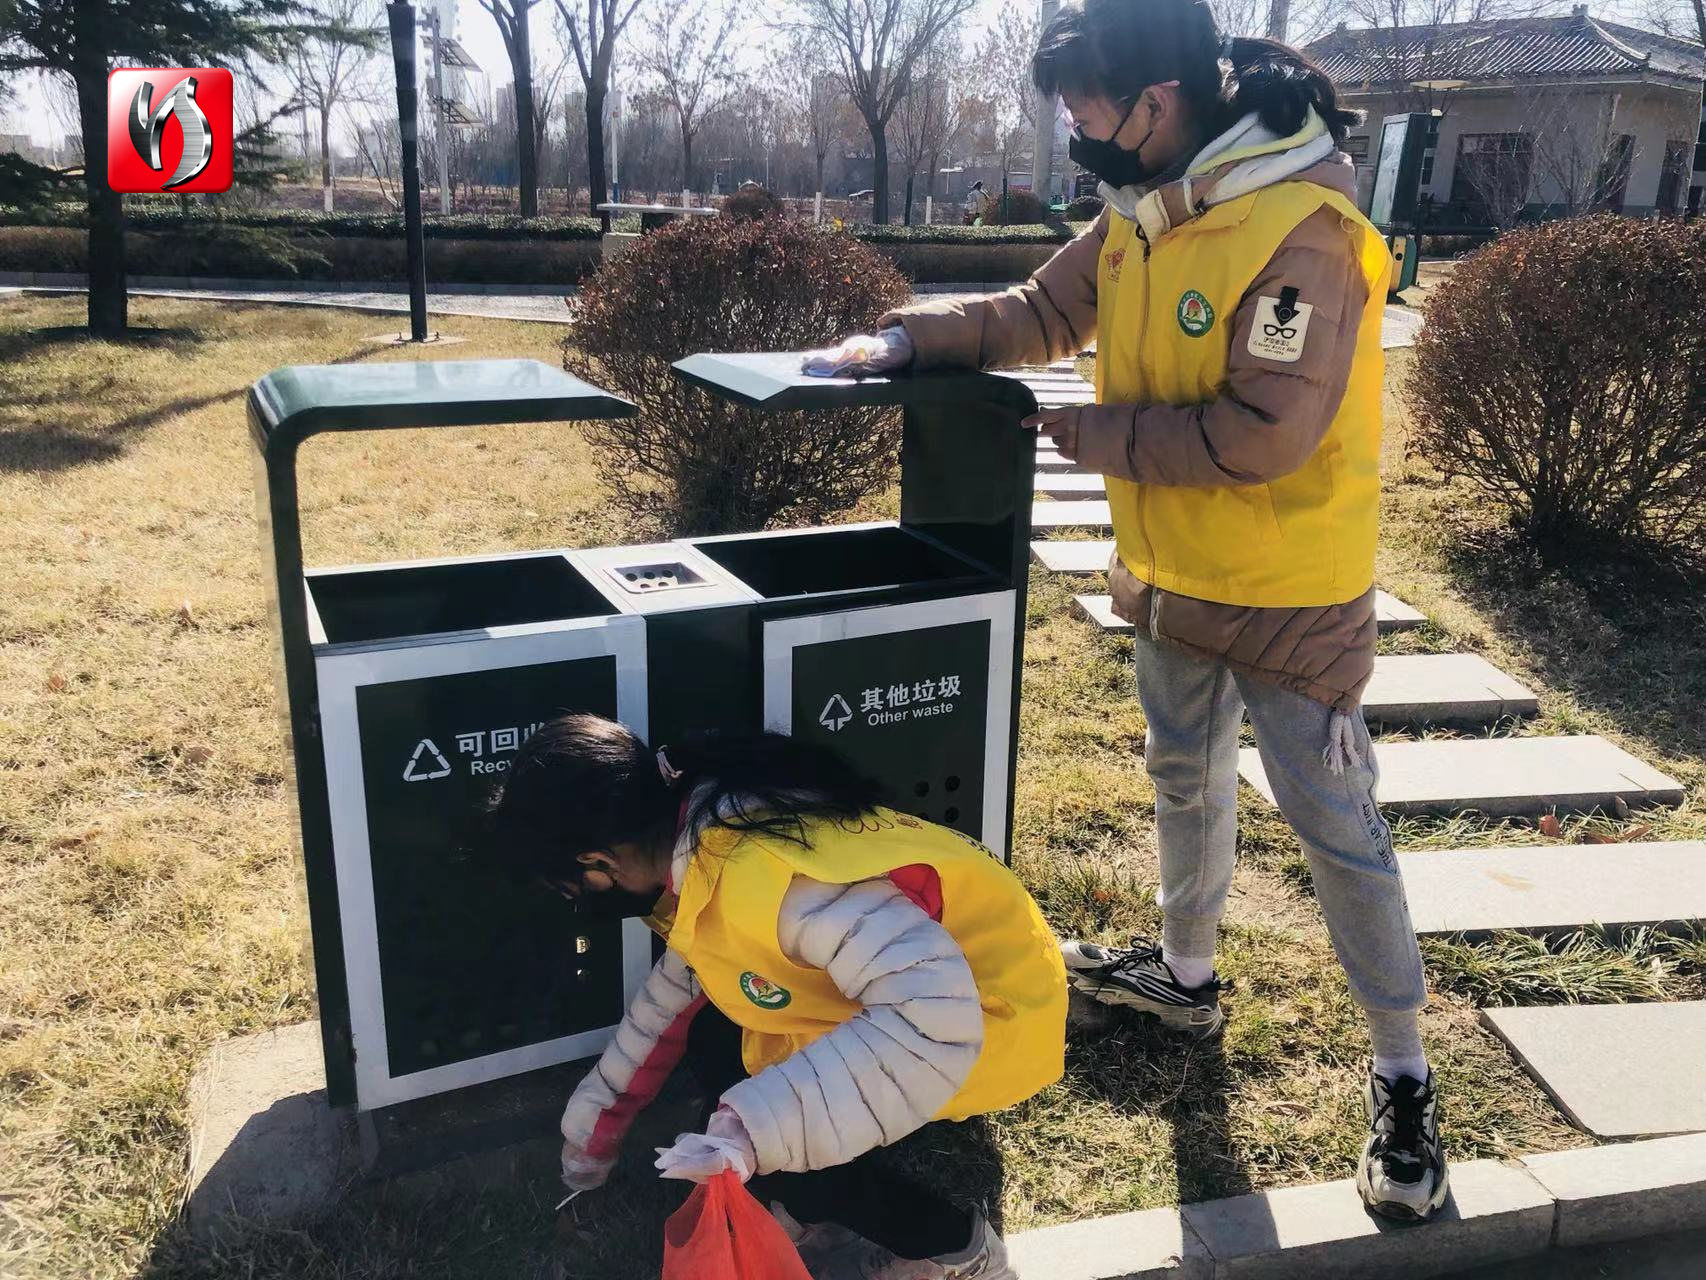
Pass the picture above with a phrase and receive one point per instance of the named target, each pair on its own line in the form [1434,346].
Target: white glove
[698,1157]
[582,1172]
[862,353]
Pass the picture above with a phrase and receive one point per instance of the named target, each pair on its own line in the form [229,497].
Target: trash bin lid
[773,380]
[300,400]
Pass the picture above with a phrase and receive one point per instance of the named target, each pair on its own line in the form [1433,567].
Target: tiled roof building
[1540,116]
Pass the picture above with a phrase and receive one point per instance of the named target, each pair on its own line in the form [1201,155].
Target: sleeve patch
[1280,327]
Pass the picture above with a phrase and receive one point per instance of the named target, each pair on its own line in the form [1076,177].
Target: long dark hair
[583,783]
[1118,48]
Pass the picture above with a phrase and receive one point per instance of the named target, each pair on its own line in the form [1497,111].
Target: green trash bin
[410,686]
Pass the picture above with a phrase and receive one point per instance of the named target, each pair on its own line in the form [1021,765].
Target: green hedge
[470,226]
[1035,233]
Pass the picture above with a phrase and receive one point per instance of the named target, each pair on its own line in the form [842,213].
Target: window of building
[1357,149]
[1490,182]
[1673,178]
[1612,184]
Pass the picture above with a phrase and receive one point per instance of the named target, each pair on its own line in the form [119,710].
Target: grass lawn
[147,863]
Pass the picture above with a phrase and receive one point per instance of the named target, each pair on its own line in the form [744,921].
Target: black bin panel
[470,962]
[908,708]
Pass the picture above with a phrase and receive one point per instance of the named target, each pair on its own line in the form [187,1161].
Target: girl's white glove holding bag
[700,1156]
[861,354]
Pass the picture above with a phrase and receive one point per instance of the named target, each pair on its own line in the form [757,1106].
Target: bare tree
[877,44]
[687,50]
[928,116]
[592,28]
[814,105]
[512,17]
[323,66]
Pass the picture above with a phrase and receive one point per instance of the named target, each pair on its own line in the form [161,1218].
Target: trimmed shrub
[1023,209]
[751,202]
[1084,208]
[1562,370]
[691,463]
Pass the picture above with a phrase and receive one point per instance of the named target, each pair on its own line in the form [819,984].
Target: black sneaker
[1136,977]
[1402,1174]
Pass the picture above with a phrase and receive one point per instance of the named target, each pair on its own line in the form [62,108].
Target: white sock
[1191,971]
[1389,1069]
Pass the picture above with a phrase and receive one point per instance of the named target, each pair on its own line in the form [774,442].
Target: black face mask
[1113,164]
[616,904]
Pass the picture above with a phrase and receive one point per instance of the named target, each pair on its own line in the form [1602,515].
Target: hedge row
[462,226]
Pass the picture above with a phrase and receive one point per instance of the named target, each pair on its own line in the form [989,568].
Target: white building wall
[1561,121]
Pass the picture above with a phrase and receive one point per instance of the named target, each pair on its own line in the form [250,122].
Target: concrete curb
[1499,1211]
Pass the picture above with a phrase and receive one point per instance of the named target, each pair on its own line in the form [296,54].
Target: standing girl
[1235,294]
[837,975]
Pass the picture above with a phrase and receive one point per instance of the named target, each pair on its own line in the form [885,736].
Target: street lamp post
[401,16]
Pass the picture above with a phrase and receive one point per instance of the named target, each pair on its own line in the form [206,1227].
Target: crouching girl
[837,975]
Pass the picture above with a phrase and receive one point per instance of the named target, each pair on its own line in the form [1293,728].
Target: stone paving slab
[1394,615]
[1625,1189]
[1502,777]
[1442,688]
[1556,886]
[1071,515]
[1079,556]
[1070,484]
[1072,555]
[1495,1211]
[1616,1070]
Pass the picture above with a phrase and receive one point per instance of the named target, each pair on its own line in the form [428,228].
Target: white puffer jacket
[880,1075]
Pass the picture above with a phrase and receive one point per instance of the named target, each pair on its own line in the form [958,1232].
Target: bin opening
[385,604]
[646,578]
[818,561]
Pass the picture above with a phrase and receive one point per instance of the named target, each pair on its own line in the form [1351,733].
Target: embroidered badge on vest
[1196,316]
[763,992]
[1116,260]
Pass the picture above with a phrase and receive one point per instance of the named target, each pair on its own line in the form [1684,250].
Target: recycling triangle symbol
[419,770]
[836,713]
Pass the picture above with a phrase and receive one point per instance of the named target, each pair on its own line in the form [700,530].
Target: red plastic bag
[722,1233]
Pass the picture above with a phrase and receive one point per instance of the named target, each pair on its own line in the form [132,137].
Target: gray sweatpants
[1194,707]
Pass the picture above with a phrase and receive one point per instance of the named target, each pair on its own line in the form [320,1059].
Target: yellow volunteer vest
[1164,331]
[725,929]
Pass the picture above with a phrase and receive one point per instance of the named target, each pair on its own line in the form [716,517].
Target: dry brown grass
[148,868]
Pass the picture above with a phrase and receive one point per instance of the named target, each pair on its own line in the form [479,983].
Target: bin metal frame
[968,479]
[286,408]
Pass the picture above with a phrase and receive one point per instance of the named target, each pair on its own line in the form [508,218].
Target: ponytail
[1117,48]
[582,783]
[768,783]
[1280,85]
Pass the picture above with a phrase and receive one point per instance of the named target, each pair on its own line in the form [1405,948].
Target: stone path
[1503,777]
[1556,886]
[1617,1070]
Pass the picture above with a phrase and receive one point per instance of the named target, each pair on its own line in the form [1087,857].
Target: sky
[478,33]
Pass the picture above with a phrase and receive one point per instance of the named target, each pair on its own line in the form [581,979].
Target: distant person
[1235,293]
[837,975]
[977,201]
